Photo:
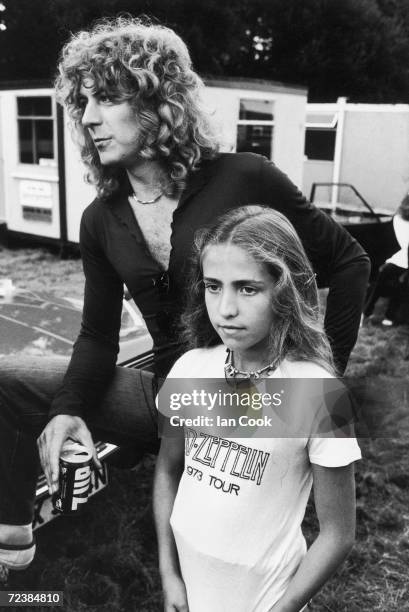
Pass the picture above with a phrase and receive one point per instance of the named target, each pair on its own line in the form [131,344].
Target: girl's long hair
[148,65]
[270,239]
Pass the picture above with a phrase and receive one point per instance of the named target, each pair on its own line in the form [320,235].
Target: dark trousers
[127,415]
[388,284]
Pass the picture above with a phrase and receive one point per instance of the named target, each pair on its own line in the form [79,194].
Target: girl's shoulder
[200,363]
[303,369]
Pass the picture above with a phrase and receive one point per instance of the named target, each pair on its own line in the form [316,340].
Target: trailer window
[255,127]
[35,129]
[320,135]
[320,144]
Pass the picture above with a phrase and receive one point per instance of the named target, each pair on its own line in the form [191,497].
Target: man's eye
[104,98]
[211,287]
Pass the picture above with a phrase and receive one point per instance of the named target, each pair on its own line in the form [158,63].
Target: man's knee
[28,384]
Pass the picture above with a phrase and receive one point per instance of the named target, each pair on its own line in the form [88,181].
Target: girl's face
[238,295]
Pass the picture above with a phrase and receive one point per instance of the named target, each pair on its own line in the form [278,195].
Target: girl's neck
[250,361]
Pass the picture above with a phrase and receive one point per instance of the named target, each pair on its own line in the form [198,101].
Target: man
[134,102]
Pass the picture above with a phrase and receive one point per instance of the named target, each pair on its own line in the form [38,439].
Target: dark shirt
[114,252]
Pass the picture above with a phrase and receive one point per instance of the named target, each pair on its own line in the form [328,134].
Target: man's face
[113,127]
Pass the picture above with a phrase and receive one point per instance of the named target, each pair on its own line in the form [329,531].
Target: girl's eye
[211,287]
[248,290]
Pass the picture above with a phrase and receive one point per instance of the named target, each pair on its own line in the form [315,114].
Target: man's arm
[93,359]
[96,348]
[345,301]
[339,261]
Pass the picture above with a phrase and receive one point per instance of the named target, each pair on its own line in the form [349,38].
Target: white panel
[79,193]
[317,171]
[290,135]
[224,106]
[375,156]
[375,151]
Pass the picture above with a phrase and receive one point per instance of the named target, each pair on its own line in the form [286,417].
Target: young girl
[253,312]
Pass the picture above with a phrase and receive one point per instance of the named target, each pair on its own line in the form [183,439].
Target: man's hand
[174,592]
[50,443]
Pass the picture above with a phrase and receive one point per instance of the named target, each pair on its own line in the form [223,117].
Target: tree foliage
[353,48]
[335,47]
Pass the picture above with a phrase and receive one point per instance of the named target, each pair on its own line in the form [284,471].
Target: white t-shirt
[237,518]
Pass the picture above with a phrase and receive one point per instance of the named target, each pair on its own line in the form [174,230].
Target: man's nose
[91,115]
[228,306]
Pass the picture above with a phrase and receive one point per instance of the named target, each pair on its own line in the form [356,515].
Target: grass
[105,559]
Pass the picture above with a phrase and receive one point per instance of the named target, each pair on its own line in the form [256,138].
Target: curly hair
[268,237]
[148,65]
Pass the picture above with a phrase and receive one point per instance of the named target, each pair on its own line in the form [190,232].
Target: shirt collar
[121,208]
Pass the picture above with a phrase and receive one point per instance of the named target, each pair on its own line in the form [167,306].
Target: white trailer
[42,189]
[366,145]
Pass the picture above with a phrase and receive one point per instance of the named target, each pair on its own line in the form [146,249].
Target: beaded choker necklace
[232,372]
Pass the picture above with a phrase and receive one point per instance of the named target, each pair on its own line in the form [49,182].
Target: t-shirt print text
[226,456]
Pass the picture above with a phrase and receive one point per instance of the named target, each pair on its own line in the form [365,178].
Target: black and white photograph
[204,305]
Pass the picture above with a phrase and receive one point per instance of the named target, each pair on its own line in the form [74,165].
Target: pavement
[38,323]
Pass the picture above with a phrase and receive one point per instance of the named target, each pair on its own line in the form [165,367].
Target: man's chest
[155,223]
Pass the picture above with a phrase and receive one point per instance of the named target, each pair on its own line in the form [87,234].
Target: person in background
[253,313]
[134,102]
[393,279]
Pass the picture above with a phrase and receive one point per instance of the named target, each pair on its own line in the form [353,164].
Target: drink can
[74,478]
